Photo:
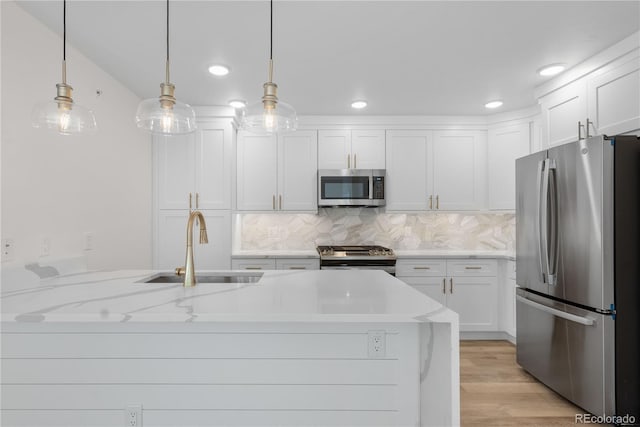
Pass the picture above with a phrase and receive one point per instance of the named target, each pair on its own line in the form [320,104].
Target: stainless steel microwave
[351,187]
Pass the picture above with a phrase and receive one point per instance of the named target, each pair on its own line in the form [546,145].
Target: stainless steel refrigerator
[578,272]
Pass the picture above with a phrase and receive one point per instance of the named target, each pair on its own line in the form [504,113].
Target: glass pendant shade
[256,118]
[66,119]
[176,119]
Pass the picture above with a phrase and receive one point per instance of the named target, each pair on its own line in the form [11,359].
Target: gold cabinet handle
[197,200]
[473,268]
[431,201]
[437,202]
[444,286]
[422,268]
[348,161]
[280,201]
[273,202]
[293,267]
[253,268]
[355,161]
[451,285]
[190,197]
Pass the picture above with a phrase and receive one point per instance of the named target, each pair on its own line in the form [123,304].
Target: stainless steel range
[351,257]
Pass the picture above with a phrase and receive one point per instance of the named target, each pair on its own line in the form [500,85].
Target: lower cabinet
[275,264]
[508,299]
[171,240]
[468,287]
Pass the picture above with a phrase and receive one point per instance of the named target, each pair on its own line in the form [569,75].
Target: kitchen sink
[206,278]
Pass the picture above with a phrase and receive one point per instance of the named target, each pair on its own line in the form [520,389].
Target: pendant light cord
[271,42]
[167,64]
[64,41]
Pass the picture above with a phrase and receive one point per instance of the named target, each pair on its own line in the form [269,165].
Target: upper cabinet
[436,170]
[561,112]
[277,173]
[505,145]
[351,149]
[195,169]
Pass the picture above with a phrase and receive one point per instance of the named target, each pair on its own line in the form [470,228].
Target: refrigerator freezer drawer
[568,349]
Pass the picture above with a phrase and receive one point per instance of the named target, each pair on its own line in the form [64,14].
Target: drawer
[297,264]
[511,270]
[253,264]
[421,267]
[472,267]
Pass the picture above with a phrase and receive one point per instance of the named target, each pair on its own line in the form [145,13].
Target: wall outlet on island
[88,241]
[377,344]
[133,416]
[7,250]
[45,246]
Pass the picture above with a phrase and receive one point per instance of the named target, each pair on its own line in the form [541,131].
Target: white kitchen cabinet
[351,149]
[561,112]
[614,99]
[435,170]
[508,298]
[468,287]
[505,144]
[171,240]
[195,166]
[277,173]
[248,263]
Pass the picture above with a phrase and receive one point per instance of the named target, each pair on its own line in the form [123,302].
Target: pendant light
[269,115]
[62,114]
[165,115]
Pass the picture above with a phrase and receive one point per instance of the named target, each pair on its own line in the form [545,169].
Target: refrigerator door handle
[539,226]
[552,249]
[548,232]
[586,321]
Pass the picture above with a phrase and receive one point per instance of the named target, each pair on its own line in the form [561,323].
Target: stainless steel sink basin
[206,278]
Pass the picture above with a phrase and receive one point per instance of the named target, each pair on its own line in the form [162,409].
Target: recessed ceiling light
[219,70]
[358,105]
[493,104]
[551,70]
[237,103]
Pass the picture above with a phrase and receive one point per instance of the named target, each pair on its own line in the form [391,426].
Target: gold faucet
[189,270]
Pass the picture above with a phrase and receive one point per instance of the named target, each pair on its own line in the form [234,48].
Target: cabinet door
[504,146]
[459,170]
[297,264]
[408,160]
[475,299]
[433,287]
[172,240]
[614,99]
[175,173]
[213,159]
[368,149]
[334,149]
[297,171]
[257,172]
[561,112]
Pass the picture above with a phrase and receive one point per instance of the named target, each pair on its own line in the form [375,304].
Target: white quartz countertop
[295,296]
[453,253]
[275,254]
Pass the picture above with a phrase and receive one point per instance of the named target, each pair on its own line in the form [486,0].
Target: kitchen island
[294,348]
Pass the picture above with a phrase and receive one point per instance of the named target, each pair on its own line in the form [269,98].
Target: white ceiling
[403,57]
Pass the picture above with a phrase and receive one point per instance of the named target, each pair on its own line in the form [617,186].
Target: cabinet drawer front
[297,264]
[421,267]
[253,264]
[472,267]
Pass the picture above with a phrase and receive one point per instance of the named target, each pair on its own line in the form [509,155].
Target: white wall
[60,187]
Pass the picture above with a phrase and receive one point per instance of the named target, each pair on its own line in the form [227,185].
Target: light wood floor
[496,391]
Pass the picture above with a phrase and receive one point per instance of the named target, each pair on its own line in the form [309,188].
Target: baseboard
[495,335]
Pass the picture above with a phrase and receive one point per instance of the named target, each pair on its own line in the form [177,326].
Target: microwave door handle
[371,185]
[539,220]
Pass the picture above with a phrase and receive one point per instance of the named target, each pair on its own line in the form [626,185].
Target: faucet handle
[180,271]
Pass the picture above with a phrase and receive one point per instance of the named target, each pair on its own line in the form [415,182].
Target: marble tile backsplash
[472,231]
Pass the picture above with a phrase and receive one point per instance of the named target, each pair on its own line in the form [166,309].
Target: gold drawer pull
[293,267]
[422,268]
[444,286]
[253,268]
[473,268]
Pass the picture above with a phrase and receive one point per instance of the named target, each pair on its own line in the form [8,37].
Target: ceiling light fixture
[165,115]
[493,104]
[219,70]
[269,115]
[358,105]
[237,103]
[551,70]
[62,114]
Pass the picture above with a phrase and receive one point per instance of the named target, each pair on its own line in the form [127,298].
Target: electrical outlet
[377,344]
[88,241]
[7,249]
[45,247]
[133,416]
